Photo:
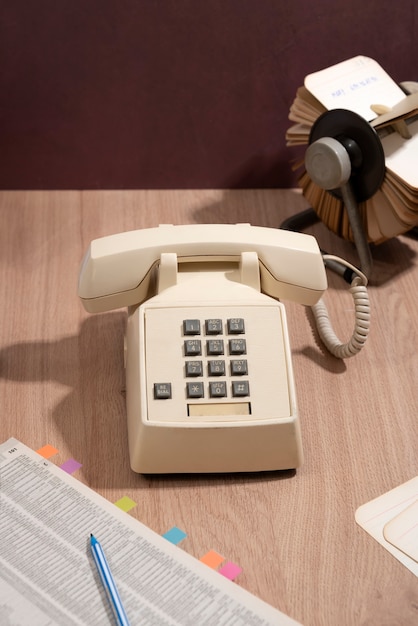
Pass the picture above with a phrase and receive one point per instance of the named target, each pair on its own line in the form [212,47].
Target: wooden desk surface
[295,537]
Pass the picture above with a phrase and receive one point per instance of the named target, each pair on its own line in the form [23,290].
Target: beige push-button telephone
[209,377]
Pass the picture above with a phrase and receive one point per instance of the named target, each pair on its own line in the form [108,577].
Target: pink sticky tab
[70,466]
[230,570]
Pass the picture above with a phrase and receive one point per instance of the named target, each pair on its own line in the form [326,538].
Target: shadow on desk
[90,418]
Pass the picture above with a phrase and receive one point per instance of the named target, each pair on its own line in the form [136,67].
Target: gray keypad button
[216,368]
[191,327]
[194,368]
[217,389]
[237,346]
[215,346]
[195,390]
[239,367]
[162,391]
[192,347]
[240,388]
[235,326]
[213,327]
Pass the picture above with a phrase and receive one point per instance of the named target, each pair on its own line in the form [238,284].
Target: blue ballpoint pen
[108,582]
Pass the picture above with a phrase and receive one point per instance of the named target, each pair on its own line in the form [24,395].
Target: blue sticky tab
[174,535]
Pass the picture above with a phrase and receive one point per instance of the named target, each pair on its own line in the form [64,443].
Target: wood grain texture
[294,535]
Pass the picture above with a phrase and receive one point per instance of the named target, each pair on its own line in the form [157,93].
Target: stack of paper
[362,86]
[48,576]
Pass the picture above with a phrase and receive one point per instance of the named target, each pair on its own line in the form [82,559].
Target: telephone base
[209,380]
[210,387]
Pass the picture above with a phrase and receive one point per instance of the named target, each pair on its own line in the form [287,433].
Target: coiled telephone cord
[358,290]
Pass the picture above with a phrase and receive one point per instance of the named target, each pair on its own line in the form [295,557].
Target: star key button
[195,390]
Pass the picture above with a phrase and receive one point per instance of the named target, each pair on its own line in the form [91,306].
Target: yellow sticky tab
[125,503]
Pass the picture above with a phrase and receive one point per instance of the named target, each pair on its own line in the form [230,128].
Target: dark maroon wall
[173,93]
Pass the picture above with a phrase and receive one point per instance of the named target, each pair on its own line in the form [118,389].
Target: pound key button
[240,389]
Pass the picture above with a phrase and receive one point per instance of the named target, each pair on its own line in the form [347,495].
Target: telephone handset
[117,270]
[209,379]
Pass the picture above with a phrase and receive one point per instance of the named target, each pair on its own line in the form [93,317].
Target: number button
[215,346]
[192,347]
[191,327]
[236,326]
[239,367]
[194,368]
[217,390]
[213,327]
[237,346]
[216,368]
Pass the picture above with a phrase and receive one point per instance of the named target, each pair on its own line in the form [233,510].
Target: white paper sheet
[376,515]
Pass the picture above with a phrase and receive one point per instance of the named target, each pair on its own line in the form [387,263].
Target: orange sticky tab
[212,559]
[47,451]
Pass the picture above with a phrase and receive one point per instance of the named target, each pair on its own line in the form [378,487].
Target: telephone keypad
[249,380]
[214,367]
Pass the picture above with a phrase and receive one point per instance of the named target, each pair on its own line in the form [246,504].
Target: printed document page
[48,576]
